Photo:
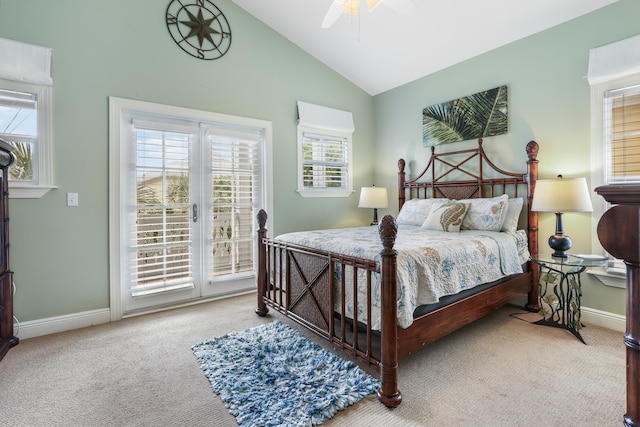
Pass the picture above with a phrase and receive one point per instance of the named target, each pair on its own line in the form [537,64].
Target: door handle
[195,212]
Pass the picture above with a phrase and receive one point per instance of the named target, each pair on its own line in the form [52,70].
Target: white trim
[69,322]
[321,192]
[615,60]
[52,325]
[603,319]
[324,192]
[43,171]
[22,62]
[117,108]
[317,116]
[29,192]
[608,279]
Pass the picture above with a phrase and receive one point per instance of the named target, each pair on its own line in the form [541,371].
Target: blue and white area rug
[271,375]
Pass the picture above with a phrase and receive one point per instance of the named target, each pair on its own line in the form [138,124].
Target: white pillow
[485,214]
[514,206]
[445,216]
[415,211]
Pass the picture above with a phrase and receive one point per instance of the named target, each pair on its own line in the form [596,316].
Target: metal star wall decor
[199,28]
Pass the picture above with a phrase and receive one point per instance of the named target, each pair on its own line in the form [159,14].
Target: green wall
[122,48]
[549,102]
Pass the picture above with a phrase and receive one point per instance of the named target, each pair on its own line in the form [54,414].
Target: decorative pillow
[514,206]
[415,211]
[445,216]
[485,214]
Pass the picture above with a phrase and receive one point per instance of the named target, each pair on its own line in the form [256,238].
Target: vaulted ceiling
[384,48]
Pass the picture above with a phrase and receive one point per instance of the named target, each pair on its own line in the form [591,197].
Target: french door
[191,189]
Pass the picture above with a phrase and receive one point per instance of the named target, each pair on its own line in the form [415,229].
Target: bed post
[389,394]
[401,179]
[533,303]
[261,280]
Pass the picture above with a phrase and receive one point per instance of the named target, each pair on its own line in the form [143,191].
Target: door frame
[117,198]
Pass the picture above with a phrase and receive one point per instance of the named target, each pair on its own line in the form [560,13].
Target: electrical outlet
[72,199]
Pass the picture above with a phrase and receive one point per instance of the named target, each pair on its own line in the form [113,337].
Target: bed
[384,292]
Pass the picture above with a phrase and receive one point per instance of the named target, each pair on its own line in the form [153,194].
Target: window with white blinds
[162,233]
[236,192]
[26,116]
[622,135]
[325,162]
[324,151]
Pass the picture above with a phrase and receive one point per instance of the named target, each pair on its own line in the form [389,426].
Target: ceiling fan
[352,7]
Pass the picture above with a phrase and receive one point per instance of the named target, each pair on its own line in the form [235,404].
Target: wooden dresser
[7,339]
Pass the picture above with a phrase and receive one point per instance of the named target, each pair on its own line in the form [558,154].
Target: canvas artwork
[476,116]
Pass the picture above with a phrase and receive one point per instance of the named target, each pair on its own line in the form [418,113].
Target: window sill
[325,193]
[608,279]
[29,192]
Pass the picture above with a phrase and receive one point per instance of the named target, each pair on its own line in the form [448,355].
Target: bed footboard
[309,287]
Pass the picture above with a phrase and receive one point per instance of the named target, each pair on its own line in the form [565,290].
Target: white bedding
[431,264]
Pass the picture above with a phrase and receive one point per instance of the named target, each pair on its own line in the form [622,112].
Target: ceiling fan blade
[334,12]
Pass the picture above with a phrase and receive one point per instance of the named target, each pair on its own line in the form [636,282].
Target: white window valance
[320,117]
[24,62]
[615,60]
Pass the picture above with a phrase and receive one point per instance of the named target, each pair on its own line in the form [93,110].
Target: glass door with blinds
[194,189]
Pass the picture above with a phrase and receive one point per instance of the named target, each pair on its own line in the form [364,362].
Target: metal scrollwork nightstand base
[561,291]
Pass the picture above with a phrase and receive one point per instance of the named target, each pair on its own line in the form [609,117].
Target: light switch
[72,199]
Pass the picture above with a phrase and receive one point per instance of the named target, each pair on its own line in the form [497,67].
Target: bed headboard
[480,178]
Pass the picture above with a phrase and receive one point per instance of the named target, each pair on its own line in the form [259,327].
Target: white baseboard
[591,316]
[52,325]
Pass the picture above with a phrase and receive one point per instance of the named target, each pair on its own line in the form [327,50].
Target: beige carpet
[141,371]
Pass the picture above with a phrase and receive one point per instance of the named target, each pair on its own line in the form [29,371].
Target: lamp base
[560,244]
[375,217]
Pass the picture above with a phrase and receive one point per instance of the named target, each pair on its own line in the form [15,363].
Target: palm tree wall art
[476,116]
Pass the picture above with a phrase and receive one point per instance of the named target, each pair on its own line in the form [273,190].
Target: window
[25,116]
[621,132]
[324,151]
[614,76]
[185,189]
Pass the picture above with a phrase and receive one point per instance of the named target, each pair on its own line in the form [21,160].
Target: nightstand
[561,290]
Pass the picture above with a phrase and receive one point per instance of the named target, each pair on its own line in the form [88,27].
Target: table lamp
[373,197]
[561,195]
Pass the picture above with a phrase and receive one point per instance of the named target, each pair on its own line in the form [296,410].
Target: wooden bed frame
[306,293]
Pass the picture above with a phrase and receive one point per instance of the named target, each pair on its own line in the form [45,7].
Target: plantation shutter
[622,135]
[237,192]
[162,235]
[325,161]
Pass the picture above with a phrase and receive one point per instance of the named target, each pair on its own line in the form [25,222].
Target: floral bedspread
[430,264]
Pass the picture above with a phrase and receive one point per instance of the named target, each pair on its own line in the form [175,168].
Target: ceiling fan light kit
[351,7]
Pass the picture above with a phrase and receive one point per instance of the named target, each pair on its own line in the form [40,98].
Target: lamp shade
[561,195]
[373,197]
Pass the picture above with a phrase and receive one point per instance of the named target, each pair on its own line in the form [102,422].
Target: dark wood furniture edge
[445,320]
[618,232]
[262,278]
[7,339]
[389,393]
